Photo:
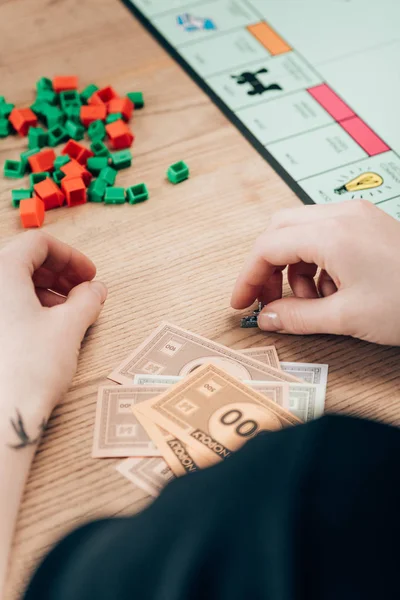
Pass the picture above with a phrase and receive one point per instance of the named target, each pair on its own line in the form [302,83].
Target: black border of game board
[288,179]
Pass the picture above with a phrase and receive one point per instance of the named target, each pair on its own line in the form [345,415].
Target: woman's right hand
[357,248]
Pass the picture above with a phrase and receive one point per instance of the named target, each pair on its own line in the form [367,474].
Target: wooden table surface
[174,258]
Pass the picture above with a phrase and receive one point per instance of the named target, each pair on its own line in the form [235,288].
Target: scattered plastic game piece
[37,138]
[120,135]
[90,113]
[73,169]
[18,195]
[99,149]
[122,159]
[77,152]
[52,115]
[97,190]
[95,164]
[178,172]
[61,160]
[75,130]
[13,169]
[96,131]
[25,155]
[123,106]
[44,83]
[114,195]
[58,176]
[137,193]
[31,212]
[5,127]
[113,117]
[73,113]
[88,92]
[57,135]
[47,96]
[69,98]
[42,161]
[22,119]
[136,98]
[50,194]
[6,109]
[103,96]
[74,190]
[108,175]
[35,178]
[64,83]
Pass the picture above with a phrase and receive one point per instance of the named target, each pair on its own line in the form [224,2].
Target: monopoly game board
[314,85]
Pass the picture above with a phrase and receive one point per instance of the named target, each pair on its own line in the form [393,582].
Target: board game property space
[314,85]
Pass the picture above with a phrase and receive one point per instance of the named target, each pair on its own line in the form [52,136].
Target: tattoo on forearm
[24,439]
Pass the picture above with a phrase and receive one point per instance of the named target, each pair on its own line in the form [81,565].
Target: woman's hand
[40,337]
[357,248]
[41,331]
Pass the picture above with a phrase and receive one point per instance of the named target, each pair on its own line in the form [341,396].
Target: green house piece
[137,193]
[114,195]
[178,172]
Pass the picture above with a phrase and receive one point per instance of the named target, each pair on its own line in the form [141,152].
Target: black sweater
[309,512]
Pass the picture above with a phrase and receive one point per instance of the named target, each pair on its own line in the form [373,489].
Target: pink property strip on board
[331,102]
[364,136]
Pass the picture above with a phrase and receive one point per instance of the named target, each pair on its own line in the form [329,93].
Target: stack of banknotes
[185,403]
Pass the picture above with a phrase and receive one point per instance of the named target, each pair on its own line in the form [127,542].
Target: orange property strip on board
[269,38]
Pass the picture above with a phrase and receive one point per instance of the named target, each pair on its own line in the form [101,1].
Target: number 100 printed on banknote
[214,413]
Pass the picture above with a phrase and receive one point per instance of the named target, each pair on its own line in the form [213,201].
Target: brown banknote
[304,400]
[265,354]
[177,454]
[171,350]
[117,432]
[214,413]
[278,391]
[149,474]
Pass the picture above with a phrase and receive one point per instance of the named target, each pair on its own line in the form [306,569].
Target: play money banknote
[117,432]
[150,474]
[171,350]
[309,372]
[316,374]
[265,354]
[304,400]
[180,458]
[214,413]
[278,391]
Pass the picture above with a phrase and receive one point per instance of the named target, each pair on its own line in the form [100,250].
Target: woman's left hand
[47,302]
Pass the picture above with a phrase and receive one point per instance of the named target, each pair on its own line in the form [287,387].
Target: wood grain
[175,257]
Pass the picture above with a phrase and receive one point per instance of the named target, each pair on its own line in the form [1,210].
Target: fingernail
[269,321]
[100,289]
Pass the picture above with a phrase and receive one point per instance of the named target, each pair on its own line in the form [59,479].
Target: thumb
[303,316]
[84,304]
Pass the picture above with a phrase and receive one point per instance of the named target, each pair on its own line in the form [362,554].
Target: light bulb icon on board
[366,181]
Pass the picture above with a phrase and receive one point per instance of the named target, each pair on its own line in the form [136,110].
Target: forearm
[22,422]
